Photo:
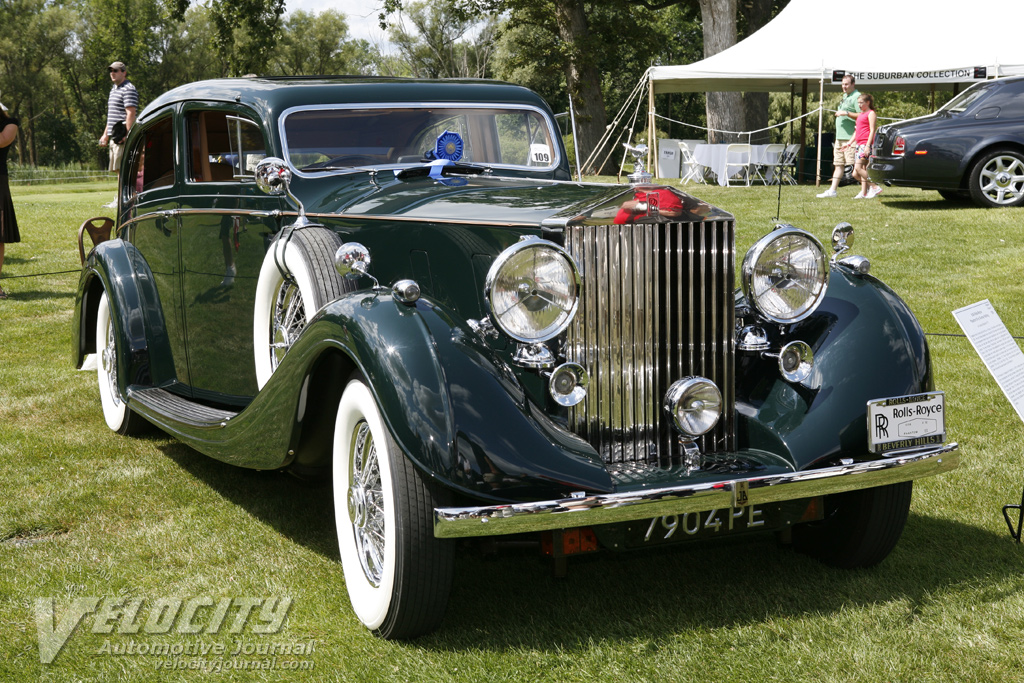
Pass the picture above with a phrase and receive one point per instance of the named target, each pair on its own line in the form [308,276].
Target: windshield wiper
[435,169]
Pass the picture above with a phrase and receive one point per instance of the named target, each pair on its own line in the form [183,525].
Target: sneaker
[859,195]
[229,276]
[110,205]
[874,191]
[827,193]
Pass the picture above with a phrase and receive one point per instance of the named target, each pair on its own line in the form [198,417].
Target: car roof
[274,95]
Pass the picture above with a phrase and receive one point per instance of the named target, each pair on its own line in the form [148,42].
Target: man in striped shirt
[122,105]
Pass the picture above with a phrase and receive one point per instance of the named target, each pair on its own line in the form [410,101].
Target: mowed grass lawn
[86,513]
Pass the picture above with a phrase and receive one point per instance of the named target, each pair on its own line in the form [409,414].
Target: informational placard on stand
[1004,359]
[997,348]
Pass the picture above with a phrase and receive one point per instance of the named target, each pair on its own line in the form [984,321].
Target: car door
[149,203]
[226,225]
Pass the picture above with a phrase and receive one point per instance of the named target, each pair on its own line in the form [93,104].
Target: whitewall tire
[285,305]
[118,416]
[397,574]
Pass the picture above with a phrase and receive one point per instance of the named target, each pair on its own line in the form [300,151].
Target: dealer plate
[903,423]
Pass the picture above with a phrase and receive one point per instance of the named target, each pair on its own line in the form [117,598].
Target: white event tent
[899,44]
[895,45]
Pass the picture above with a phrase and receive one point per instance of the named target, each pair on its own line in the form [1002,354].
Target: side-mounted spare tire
[296,280]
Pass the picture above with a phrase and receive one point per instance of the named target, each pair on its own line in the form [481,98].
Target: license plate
[693,525]
[905,423]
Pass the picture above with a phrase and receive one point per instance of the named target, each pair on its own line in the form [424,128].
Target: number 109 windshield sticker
[540,155]
[906,422]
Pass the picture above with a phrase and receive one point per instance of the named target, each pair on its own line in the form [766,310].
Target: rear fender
[117,268]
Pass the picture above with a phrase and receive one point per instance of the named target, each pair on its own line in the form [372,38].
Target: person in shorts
[863,138]
[844,154]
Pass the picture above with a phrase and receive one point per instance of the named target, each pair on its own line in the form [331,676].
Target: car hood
[508,201]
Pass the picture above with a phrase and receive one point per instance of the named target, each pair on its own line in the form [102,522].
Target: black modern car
[971,147]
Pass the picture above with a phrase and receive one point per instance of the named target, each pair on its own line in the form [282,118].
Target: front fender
[454,408]
[116,267]
[867,344]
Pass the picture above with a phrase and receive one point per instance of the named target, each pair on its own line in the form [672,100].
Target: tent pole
[803,128]
[792,94]
[821,115]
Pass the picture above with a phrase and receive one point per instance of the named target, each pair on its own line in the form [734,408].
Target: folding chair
[737,156]
[691,170]
[767,168]
[787,164]
[99,230]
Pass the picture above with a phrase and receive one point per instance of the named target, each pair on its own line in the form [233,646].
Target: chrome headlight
[532,289]
[695,404]
[785,275]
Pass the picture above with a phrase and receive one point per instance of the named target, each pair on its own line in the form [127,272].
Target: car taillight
[899,145]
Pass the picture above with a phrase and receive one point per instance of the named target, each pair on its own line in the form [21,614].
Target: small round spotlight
[695,404]
[568,384]
[796,361]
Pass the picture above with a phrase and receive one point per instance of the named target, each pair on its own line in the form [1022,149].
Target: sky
[360,14]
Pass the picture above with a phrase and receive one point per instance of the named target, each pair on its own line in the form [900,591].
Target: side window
[152,159]
[223,147]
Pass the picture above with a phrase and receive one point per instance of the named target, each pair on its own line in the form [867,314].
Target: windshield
[330,137]
[958,104]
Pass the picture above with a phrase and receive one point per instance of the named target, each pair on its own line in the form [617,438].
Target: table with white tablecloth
[714,158]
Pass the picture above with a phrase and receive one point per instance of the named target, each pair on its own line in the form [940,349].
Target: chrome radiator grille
[657,305]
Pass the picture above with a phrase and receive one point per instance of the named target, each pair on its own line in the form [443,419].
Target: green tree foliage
[445,42]
[34,35]
[246,30]
[318,44]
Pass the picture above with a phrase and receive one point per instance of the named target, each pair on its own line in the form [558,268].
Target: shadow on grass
[299,510]
[925,204]
[658,594]
[511,599]
[33,295]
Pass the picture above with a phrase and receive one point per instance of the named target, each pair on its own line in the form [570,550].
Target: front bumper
[565,513]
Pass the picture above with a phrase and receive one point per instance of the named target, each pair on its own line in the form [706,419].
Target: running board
[161,405]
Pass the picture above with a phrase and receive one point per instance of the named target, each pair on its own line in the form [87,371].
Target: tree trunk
[724,109]
[583,79]
[755,104]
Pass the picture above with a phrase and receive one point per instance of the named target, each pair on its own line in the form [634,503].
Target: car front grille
[657,305]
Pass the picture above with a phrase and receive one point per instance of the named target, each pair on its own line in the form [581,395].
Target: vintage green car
[397,287]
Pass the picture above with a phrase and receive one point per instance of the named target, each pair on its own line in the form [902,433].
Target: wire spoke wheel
[366,504]
[287,321]
[296,280]
[118,416]
[398,575]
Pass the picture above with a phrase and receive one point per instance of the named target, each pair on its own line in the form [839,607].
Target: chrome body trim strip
[566,513]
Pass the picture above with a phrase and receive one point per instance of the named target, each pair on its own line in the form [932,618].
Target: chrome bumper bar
[606,508]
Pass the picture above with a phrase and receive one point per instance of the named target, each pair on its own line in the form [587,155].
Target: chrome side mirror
[842,238]
[275,178]
[352,260]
